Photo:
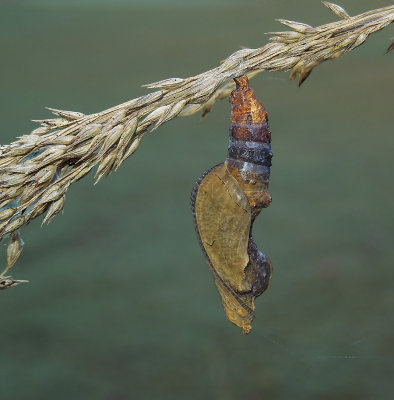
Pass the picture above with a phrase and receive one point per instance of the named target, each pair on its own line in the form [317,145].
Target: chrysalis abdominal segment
[225,202]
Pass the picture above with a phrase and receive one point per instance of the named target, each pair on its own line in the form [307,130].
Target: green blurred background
[120,303]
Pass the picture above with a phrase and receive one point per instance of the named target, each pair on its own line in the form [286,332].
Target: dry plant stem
[37,169]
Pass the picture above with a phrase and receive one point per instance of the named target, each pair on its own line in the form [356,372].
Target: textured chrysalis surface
[225,202]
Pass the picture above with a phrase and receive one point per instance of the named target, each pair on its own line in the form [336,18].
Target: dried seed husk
[45,174]
[112,137]
[105,165]
[54,208]
[297,26]
[337,10]
[68,115]
[133,147]
[13,225]
[14,250]
[55,191]
[6,214]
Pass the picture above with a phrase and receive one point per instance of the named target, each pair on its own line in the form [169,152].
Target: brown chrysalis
[225,202]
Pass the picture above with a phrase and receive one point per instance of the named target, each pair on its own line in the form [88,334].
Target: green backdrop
[120,303]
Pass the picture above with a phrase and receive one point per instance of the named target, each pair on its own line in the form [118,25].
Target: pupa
[226,201]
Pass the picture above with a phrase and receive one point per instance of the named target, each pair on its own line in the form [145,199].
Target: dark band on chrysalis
[250,142]
[252,152]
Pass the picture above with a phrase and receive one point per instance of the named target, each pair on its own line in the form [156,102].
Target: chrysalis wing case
[225,202]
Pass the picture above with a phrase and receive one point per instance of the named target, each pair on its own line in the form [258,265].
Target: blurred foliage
[120,303]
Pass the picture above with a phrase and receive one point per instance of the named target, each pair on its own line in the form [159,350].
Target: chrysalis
[225,202]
